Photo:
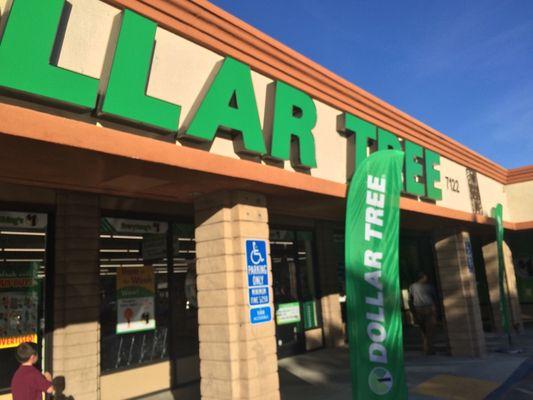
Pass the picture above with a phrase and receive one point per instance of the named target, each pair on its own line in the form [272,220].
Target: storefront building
[172,194]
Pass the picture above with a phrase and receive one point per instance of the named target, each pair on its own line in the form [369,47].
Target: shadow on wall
[59,386]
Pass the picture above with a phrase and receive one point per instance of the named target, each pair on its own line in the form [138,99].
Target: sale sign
[135,299]
[19,300]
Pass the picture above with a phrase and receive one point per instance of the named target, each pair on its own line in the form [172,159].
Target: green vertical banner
[504,310]
[372,278]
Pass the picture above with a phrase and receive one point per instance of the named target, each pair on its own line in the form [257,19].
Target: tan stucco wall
[492,193]
[457,201]
[520,201]
[86,37]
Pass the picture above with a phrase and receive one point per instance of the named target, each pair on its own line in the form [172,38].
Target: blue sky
[462,67]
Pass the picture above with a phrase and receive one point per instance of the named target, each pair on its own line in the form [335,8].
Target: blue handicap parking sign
[258,285]
[256,263]
[256,252]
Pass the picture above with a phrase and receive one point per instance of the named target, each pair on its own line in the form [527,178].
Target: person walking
[423,305]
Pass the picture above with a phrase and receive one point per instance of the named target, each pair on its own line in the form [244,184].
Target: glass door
[149,311]
[297,310]
[289,332]
[416,256]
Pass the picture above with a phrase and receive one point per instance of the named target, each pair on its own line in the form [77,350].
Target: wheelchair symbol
[255,255]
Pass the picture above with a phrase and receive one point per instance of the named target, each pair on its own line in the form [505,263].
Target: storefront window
[142,320]
[22,287]
[297,309]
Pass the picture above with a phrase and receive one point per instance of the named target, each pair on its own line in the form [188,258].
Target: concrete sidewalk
[325,374]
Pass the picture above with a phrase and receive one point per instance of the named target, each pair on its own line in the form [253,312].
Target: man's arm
[43,382]
[48,377]
[411,301]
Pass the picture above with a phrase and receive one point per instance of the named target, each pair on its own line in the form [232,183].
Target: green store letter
[25,53]
[363,131]
[432,175]
[126,90]
[413,169]
[230,104]
[387,140]
[294,115]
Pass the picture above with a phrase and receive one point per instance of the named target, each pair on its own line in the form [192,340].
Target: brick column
[76,346]
[460,299]
[237,360]
[490,256]
[328,285]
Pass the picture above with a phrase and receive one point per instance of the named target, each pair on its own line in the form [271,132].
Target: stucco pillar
[76,337]
[459,292]
[237,360]
[329,285]
[490,256]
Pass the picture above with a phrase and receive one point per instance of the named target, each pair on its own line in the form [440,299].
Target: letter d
[377,353]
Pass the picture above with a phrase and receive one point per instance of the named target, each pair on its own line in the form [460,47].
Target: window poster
[135,299]
[288,313]
[154,247]
[19,300]
[310,315]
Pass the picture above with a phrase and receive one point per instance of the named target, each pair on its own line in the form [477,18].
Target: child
[28,383]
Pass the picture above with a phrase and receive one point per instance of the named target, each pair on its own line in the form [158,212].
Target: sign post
[504,310]
[372,279]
